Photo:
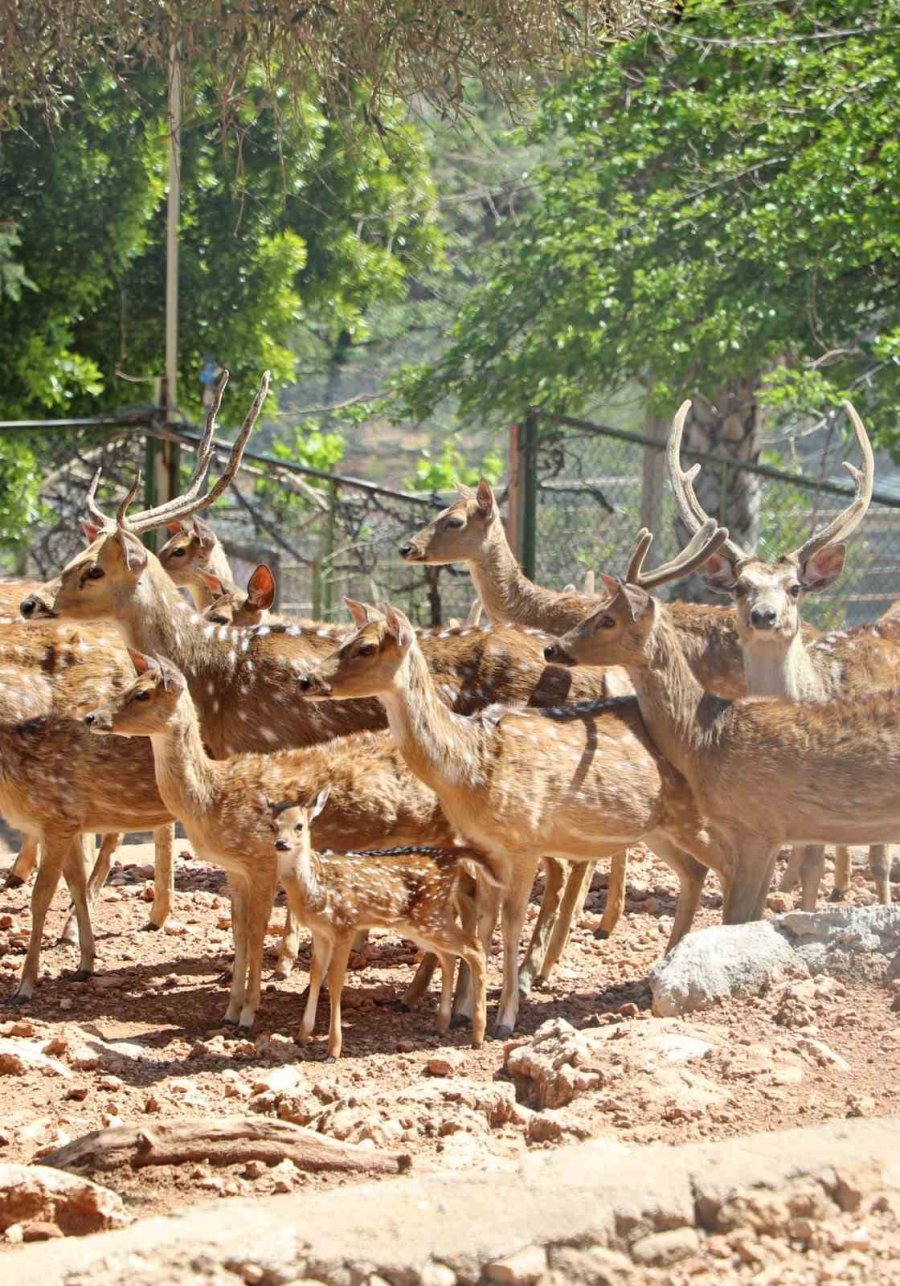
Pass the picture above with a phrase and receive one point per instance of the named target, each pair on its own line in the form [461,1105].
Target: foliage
[444,472]
[721,200]
[393,48]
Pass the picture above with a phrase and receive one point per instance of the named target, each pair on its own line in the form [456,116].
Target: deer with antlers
[227,818]
[765,771]
[195,559]
[516,783]
[768,598]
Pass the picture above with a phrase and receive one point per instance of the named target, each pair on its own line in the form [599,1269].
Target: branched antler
[706,541]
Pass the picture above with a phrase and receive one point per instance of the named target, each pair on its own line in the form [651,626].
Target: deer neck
[188,780]
[781,670]
[156,620]
[441,748]
[506,592]
[671,699]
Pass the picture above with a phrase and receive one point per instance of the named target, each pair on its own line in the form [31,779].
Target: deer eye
[218,619]
[299,827]
[607,622]
[367,649]
[95,573]
[176,553]
[455,522]
[794,590]
[143,695]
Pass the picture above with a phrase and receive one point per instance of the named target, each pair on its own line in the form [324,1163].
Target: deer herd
[415,780]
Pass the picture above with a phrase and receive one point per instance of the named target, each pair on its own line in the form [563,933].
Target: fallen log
[227,1141]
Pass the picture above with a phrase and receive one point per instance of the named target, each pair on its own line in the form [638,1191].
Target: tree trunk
[728,427]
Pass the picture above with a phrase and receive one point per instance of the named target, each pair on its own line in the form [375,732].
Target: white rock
[726,960]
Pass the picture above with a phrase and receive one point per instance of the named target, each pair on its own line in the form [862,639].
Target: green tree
[720,206]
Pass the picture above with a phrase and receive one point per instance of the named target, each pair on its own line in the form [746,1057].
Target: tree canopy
[721,200]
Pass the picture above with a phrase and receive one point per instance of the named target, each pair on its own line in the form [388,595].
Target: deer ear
[259,801]
[823,568]
[205,534]
[358,611]
[90,529]
[213,583]
[261,588]
[320,801]
[610,583]
[719,573]
[398,626]
[173,679]
[134,555]
[141,662]
[487,503]
[636,600]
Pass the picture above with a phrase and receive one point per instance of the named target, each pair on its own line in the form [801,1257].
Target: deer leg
[880,866]
[288,947]
[26,861]
[337,973]
[69,935]
[448,943]
[615,896]
[812,868]
[578,883]
[98,877]
[262,895]
[319,960]
[163,876]
[842,869]
[487,908]
[421,981]
[448,976]
[53,855]
[555,873]
[791,877]
[76,878]
[691,876]
[746,892]
[512,917]
[239,924]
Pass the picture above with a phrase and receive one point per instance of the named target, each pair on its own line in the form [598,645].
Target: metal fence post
[328,551]
[653,473]
[528,494]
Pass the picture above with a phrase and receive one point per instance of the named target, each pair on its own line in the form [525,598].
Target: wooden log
[226,1141]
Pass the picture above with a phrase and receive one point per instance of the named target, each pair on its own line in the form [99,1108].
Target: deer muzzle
[557,655]
[98,721]
[36,608]
[313,685]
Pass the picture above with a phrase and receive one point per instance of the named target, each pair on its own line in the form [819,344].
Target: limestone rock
[38,1194]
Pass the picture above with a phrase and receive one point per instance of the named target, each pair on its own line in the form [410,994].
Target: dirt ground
[139,1043]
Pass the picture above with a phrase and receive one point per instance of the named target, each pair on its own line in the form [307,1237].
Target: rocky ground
[138,1044]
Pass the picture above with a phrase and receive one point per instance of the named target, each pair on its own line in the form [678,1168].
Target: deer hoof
[401,1007]
[330,1058]
[13,881]
[837,895]
[150,927]
[17,1000]
[601,935]
[502,1032]
[229,1022]
[79,975]
[460,1021]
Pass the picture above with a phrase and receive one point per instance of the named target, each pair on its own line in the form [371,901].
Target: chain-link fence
[324,535]
[585,490]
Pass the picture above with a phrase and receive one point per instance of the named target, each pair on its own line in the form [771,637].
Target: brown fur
[575,781]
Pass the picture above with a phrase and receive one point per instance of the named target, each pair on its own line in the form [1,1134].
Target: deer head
[146,705]
[369,661]
[187,553]
[617,633]
[458,534]
[240,608]
[95,584]
[768,595]
[291,820]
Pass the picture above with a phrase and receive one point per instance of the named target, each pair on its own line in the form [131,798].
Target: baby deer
[414,891]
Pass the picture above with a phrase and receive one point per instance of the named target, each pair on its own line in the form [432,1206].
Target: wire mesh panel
[591,480]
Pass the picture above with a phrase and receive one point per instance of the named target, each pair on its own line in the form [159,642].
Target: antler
[704,542]
[190,501]
[692,513]
[849,518]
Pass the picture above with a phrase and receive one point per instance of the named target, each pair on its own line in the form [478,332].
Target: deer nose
[304,683]
[282,845]
[553,652]
[762,618]
[28,605]
[406,551]
[90,719]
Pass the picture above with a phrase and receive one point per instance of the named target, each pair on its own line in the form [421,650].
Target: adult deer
[768,598]
[581,781]
[764,771]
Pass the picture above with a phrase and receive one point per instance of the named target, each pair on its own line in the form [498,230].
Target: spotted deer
[765,771]
[242,609]
[245,682]
[581,781]
[414,891]
[372,800]
[778,661]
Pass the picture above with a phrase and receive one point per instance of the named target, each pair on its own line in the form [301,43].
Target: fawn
[414,891]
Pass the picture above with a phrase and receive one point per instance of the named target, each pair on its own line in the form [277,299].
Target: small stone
[437,1275]
[445,1062]
[6,922]
[152,1104]
[860,1105]
[664,1248]
[77,1094]
[15,1234]
[110,1083]
[12,1064]
[40,1230]
[523,1268]
[106,982]
[255,1169]
[65,1003]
